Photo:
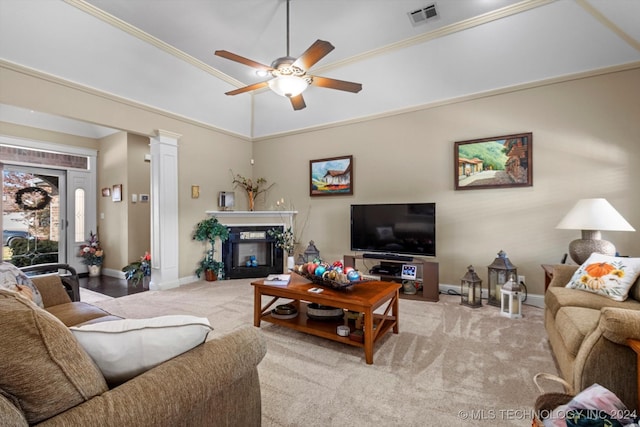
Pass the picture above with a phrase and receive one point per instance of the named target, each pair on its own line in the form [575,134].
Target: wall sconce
[511,304]
[500,271]
[471,289]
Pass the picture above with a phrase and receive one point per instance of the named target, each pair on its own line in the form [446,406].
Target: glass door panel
[33,210]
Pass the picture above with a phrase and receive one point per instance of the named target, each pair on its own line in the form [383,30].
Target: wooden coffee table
[363,298]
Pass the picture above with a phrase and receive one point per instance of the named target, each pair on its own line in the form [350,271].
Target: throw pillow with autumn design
[606,275]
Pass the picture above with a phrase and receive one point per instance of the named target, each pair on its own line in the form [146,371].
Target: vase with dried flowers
[252,188]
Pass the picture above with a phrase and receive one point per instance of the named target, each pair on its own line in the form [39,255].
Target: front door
[33,212]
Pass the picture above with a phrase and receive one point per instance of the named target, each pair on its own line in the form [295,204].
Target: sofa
[588,332]
[47,379]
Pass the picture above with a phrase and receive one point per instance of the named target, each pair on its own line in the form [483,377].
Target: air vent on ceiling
[421,16]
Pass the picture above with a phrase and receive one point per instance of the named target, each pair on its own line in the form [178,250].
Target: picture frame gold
[495,162]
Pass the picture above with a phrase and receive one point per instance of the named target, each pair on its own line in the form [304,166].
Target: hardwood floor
[111,286]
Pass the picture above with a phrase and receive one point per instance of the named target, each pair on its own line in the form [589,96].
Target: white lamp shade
[288,86]
[594,214]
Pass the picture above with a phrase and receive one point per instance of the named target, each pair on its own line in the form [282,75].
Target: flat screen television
[394,228]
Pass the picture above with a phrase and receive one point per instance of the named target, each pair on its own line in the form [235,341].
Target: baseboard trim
[113,273]
[534,300]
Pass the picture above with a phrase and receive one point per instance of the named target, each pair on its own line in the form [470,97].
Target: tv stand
[428,274]
[394,257]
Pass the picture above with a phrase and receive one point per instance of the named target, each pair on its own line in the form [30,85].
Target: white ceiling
[160,53]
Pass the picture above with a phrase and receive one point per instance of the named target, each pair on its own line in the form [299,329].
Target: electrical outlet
[521,279]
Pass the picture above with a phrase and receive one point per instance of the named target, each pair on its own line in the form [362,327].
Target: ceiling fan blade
[318,50]
[297,102]
[248,88]
[336,84]
[241,59]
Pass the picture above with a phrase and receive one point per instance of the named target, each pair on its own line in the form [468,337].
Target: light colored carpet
[449,365]
[89,296]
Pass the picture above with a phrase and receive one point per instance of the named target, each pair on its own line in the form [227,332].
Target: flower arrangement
[253,189]
[138,270]
[284,239]
[91,252]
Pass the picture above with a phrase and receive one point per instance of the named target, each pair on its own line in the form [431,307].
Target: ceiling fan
[289,74]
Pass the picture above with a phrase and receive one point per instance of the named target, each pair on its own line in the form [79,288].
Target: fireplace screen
[250,252]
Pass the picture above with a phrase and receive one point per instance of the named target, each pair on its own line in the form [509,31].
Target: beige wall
[586,143]
[138,182]
[113,216]
[206,155]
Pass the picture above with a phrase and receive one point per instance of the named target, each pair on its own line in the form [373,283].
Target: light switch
[134,198]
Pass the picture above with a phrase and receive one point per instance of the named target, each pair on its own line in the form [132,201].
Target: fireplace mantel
[254,217]
[251,214]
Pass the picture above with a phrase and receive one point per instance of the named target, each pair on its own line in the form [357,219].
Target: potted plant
[208,230]
[138,270]
[92,254]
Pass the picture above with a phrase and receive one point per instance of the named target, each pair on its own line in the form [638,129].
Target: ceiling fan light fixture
[288,86]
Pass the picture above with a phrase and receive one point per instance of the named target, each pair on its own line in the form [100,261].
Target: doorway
[47,214]
[33,212]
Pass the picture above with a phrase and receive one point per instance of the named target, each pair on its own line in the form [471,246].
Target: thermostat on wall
[409,272]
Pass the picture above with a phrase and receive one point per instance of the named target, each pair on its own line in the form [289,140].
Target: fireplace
[250,252]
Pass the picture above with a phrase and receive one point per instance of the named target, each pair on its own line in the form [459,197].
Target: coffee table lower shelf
[327,328]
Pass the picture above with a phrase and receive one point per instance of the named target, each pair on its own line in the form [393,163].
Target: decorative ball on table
[353,275]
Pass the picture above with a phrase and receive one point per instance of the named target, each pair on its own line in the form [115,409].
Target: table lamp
[592,216]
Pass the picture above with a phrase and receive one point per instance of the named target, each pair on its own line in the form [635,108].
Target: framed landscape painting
[496,162]
[331,177]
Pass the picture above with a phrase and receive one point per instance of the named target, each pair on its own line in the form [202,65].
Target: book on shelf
[277,279]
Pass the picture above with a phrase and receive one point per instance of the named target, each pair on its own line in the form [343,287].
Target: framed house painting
[331,177]
[496,162]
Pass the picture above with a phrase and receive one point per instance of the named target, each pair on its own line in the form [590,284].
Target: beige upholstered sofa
[47,379]
[588,333]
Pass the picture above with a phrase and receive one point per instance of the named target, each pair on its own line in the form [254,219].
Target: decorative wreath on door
[37,198]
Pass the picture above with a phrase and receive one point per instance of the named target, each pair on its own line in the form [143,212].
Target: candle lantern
[471,291]
[500,271]
[311,253]
[511,305]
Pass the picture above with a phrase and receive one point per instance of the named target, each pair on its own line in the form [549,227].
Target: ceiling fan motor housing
[289,80]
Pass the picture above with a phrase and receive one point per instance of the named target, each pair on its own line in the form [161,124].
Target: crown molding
[440,32]
[146,37]
[607,23]
[422,38]
[56,80]
[495,92]
[31,72]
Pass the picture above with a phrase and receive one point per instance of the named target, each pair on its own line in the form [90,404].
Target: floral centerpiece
[253,189]
[138,270]
[284,239]
[91,252]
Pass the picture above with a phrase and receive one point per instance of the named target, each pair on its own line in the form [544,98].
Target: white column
[164,211]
